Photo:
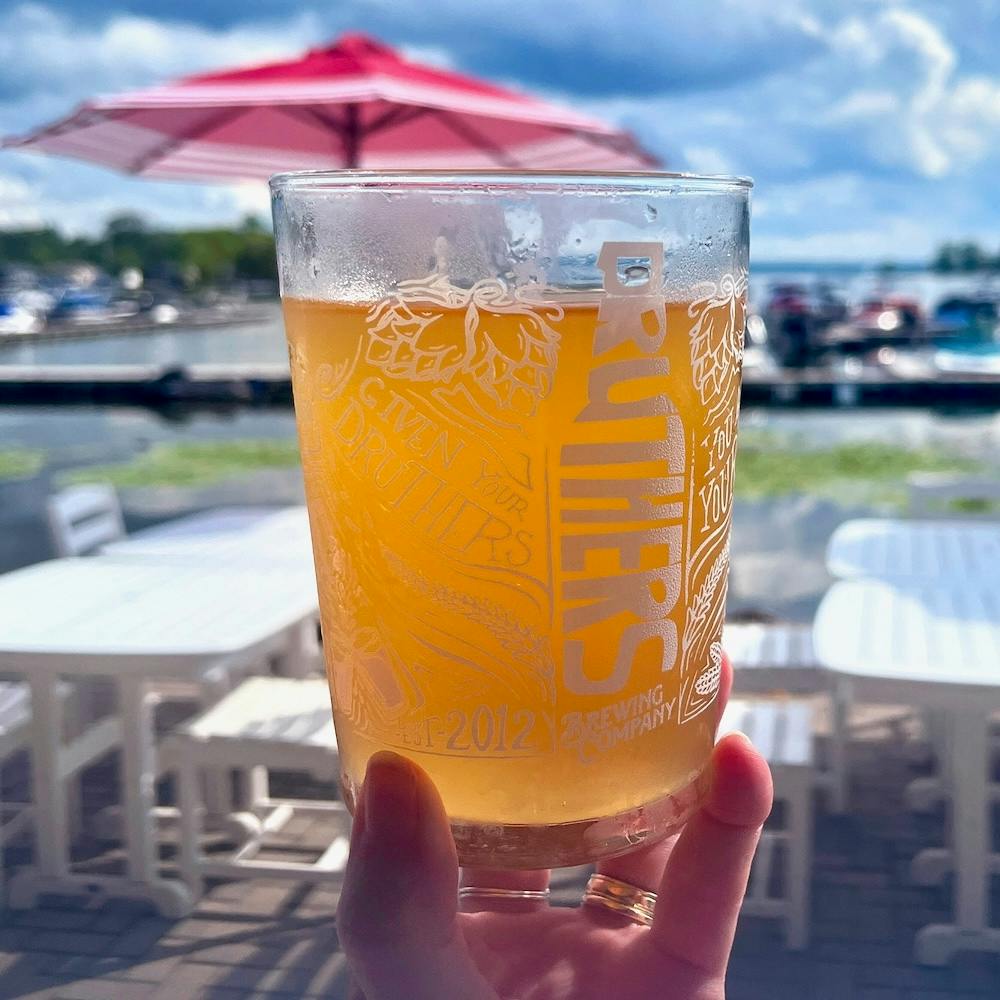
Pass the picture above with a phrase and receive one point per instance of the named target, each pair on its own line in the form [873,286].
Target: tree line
[964,257]
[191,257]
[220,256]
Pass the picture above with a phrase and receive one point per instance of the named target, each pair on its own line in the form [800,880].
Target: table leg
[51,826]
[839,765]
[138,778]
[971,807]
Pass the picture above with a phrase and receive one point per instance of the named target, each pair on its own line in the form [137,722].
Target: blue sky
[872,127]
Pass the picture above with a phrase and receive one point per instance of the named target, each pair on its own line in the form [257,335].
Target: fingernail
[390,798]
[735,736]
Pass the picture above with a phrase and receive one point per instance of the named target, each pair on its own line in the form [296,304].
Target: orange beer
[520,506]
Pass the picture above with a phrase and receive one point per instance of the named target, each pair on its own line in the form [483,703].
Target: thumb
[397,916]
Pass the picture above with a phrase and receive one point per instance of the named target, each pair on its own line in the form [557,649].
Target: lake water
[778,543]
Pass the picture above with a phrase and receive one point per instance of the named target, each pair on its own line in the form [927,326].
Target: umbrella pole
[352,136]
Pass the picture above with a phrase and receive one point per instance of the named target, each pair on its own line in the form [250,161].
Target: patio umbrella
[356,103]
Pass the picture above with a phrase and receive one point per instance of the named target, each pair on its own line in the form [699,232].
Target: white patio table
[226,535]
[936,645]
[134,622]
[899,548]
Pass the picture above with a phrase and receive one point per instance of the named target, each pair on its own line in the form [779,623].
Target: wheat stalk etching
[522,642]
[704,603]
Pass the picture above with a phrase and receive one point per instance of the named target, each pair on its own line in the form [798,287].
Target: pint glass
[516,398]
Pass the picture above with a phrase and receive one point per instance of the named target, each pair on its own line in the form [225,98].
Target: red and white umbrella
[357,103]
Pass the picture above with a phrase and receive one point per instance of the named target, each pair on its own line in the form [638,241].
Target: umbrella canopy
[357,103]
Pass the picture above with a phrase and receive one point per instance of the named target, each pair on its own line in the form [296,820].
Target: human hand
[406,937]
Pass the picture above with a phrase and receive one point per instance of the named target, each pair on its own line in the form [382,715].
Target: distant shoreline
[842,267]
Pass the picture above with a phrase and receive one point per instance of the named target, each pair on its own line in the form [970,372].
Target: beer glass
[516,398]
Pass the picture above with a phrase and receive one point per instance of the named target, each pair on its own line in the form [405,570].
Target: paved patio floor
[262,939]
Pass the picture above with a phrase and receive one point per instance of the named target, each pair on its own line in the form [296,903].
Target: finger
[706,878]
[645,866]
[397,914]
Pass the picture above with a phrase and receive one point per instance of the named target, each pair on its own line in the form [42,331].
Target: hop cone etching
[717,338]
[413,336]
[402,338]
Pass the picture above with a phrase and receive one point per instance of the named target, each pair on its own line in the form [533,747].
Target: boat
[892,315]
[973,359]
[879,322]
[963,341]
[79,306]
[16,318]
[796,316]
[966,317]
[967,336]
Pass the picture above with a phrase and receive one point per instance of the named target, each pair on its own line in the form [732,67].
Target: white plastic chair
[782,731]
[778,657]
[267,722]
[83,518]
[15,720]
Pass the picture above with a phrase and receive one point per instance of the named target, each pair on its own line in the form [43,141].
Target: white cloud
[707,160]
[888,239]
[42,49]
[882,146]
[79,198]
[252,198]
[909,105]
[19,203]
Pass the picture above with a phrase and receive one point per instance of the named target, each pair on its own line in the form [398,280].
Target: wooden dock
[260,384]
[268,384]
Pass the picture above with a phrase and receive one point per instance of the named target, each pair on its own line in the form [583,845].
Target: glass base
[563,845]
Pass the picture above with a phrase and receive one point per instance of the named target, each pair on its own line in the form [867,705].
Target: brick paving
[263,939]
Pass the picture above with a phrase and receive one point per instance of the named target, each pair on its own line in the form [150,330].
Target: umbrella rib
[324,118]
[83,117]
[197,131]
[399,115]
[473,136]
[326,122]
[623,143]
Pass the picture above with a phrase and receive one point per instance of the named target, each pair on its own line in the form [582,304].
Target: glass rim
[595,181]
